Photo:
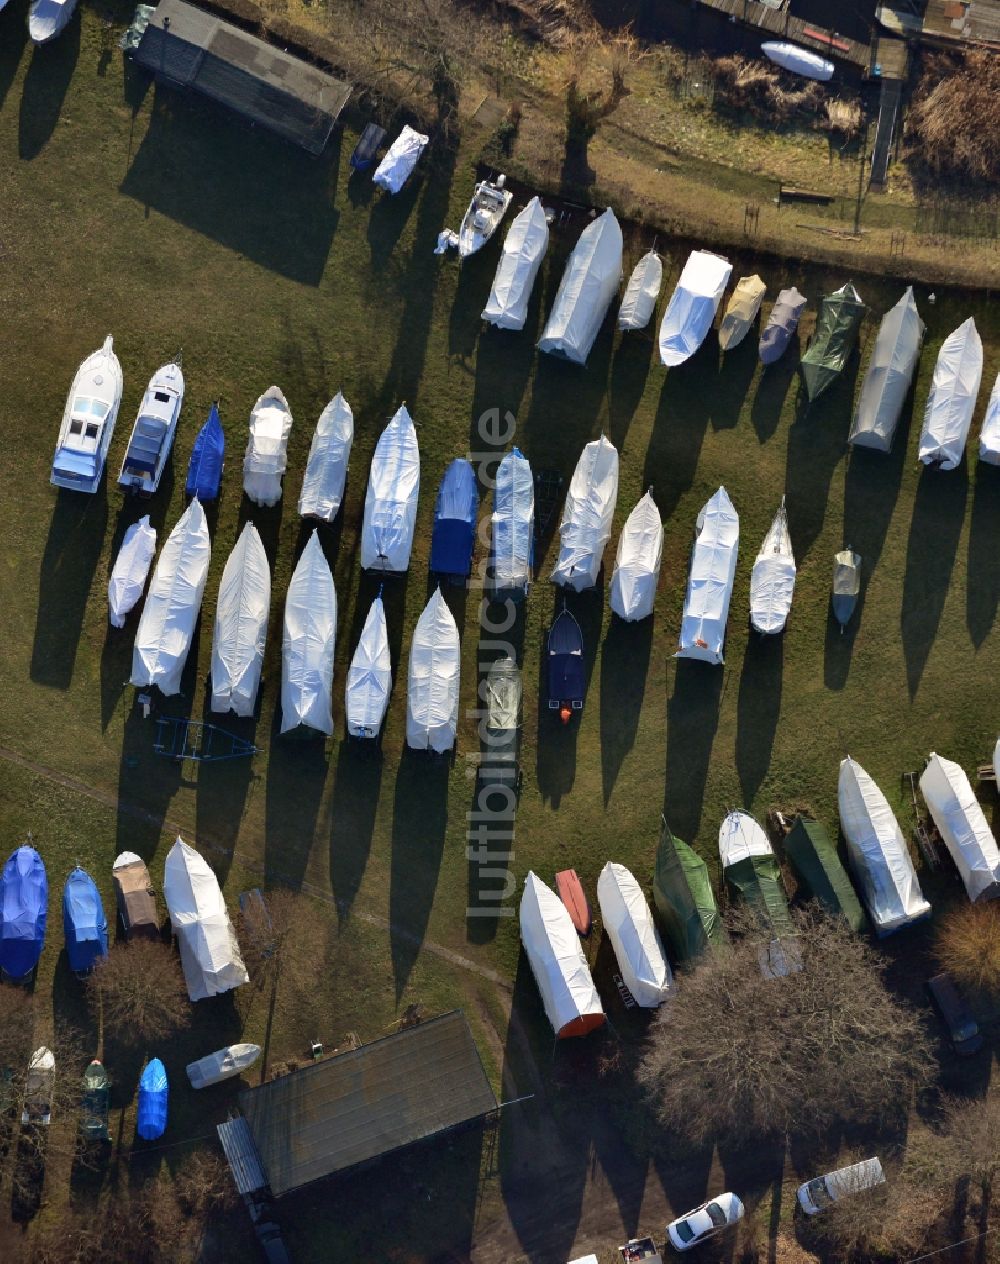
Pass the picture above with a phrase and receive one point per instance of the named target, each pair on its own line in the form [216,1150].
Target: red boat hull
[571,893]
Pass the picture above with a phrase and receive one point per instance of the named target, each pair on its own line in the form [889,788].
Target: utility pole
[861,176]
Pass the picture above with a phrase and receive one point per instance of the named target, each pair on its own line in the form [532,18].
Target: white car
[705,1221]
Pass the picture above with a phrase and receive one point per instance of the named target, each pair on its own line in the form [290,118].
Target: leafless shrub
[204,1186]
[762,91]
[953,125]
[736,1056]
[141,991]
[965,1144]
[158,1222]
[877,1222]
[842,116]
[968,945]
[265,934]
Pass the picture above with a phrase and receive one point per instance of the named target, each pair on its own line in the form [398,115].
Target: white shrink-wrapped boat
[952,399]
[889,375]
[167,624]
[637,564]
[326,468]
[267,448]
[553,949]
[400,159]
[489,204]
[88,421]
[391,499]
[877,852]
[221,1065]
[989,438]
[641,293]
[962,824]
[692,306]
[153,434]
[512,551]
[308,644]
[587,516]
[48,18]
[741,311]
[628,923]
[523,250]
[128,575]
[240,631]
[800,61]
[772,580]
[210,953]
[369,677]
[589,283]
[434,675]
[710,583]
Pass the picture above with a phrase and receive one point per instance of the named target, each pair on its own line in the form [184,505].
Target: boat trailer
[178,738]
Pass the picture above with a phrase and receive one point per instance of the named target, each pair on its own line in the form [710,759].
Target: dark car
[963,1030]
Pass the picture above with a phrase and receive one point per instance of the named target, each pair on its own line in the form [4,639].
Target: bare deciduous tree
[34,1143]
[17,1007]
[265,930]
[160,1221]
[965,1144]
[735,1055]
[141,991]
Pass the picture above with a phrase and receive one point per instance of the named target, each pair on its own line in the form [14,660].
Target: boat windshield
[87,412]
[819,1193]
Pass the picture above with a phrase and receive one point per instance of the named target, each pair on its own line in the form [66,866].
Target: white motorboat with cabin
[489,204]
[88,421]
[153,432]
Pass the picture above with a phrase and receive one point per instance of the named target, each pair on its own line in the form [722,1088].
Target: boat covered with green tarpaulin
[836,333]
[818,869]
[684,899]
[751,870]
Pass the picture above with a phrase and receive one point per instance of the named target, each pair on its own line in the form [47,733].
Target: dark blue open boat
[454,531]
[205,467]
[367,147]
[566,684]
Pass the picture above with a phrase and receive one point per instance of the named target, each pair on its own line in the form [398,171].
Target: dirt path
[206,843]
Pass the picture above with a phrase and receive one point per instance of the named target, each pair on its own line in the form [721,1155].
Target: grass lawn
[166,222]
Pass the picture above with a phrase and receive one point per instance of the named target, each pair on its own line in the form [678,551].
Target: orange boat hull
[571,893]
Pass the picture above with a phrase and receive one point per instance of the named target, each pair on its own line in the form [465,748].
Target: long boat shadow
[419,822]
[69,562]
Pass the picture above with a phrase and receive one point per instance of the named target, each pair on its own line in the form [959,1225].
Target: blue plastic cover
[454,531]
[84,922]
[24,900]
[152,1101]
[205,467]
[565,660]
